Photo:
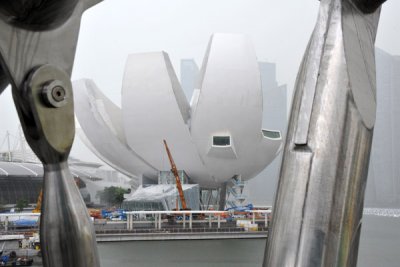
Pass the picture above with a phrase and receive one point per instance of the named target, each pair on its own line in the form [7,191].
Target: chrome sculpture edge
[71,240]
[37,49]
[318,206]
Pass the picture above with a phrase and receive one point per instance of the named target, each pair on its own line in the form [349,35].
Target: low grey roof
[26,169]
[20,169]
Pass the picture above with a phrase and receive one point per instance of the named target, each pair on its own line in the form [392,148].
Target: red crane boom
[174,170]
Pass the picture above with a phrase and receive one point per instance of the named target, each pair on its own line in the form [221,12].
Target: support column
[190,220]
[222,197]
[184,220]
[219,220]
[266,220]
[209,220]
[128,216]
[159,221]
[254,217]
[6,224]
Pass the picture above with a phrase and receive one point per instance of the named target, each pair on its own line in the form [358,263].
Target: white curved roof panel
[100,120]
[215,138]
[155,108]
[229,105]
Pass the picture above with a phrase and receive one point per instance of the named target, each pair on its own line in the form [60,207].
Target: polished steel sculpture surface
[37,48]
[319,202]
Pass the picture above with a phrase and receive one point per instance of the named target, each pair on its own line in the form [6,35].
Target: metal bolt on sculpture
[37,48]
[319,203]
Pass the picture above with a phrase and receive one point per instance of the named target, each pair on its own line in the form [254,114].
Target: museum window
[221,140]
[271,134]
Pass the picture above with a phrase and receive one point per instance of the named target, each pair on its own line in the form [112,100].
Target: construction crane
[39,203]
[174,170]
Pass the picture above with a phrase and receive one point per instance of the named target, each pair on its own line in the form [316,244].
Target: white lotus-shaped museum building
[214,138]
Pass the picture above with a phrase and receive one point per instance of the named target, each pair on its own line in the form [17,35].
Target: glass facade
[167,177]
[23,181]
[271,134]
[142,205]
[14,188]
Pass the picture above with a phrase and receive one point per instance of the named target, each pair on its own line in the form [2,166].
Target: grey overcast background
[113,29]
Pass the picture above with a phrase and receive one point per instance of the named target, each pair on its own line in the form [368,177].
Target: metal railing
[260,229]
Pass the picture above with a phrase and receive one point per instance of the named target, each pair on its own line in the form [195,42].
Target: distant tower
[383,187]
[262,188]
[274,98]
[189,75]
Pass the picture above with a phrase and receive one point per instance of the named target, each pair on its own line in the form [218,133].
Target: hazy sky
[113,29]
[279,30]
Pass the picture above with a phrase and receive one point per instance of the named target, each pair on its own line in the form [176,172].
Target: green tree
[112,196]
[21,204]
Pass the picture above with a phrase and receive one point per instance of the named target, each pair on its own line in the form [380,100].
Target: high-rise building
[274,98]
[261,189]
[189,75]
[383,187]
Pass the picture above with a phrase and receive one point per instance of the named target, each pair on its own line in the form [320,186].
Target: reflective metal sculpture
[37,48]
[319,203]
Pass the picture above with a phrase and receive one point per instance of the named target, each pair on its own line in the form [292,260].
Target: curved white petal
[100,120]
[154,108]
[230,104]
